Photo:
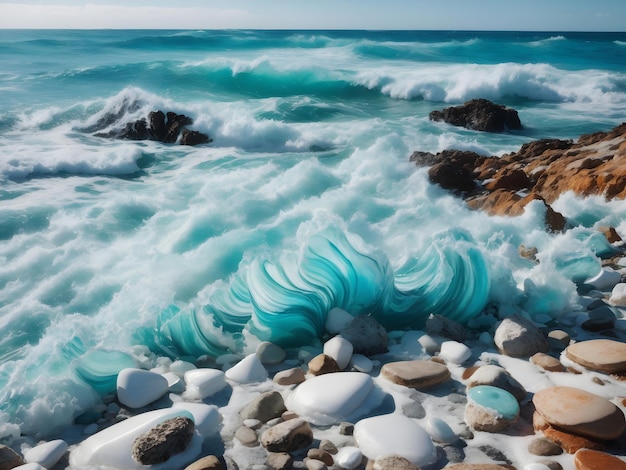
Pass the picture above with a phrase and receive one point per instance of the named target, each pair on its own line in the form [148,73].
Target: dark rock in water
[479,115]
[451,176]
[194,138]
[163,441]
[159,127]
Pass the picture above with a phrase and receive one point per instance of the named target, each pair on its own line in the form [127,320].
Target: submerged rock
[479,115]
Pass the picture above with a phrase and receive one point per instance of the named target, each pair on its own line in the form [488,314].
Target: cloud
[92,16]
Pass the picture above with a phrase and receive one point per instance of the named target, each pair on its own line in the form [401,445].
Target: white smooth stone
[430,343]
[207,418]
[248,370]
[336,320]
[618,295]
[137,387]
[331,398]
[348,457]
[202,383]
[395,434]
[362,363]
[454,352]
[605,280]
[340,349]
[46,454]
[174,382]
[440,431]
[112,447]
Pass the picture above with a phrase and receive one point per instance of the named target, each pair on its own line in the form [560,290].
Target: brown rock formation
[541,170]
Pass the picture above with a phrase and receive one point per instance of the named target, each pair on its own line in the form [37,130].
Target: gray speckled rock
[367,336]
[518,337]
[288,436]
[163,441]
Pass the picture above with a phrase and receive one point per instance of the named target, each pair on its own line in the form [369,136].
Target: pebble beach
[500,393]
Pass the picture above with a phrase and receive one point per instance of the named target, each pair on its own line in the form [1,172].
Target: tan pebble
[479,466]
[580,412]
[586,459]
[605,355]
[279,460]
[416,374]
[289,377]
[547,362]
[323,364]
[322,455]
[209,462]
[467,373]
[287,415]
[561,336]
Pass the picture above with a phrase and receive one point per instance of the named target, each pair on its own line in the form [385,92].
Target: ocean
[117,253]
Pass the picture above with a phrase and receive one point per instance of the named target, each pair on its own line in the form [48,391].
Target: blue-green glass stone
[496,399]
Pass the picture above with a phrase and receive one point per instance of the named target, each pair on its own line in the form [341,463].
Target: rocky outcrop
[540,171]
[479,115]
[160,127]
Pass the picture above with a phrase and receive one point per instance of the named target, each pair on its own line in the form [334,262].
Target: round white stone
[202,383]
[137,387]
[395,434]
[440,431]
[340,349]
[248,370]
[331,398]
[348,457]
[207,418]
[29,466]
[454,352]
[46,454]
[336,320]
[361,363]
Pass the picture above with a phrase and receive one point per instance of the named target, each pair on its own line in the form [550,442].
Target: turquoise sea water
[114,253]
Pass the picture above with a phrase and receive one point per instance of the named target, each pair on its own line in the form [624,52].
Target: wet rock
[188,137]
[547,362]
[543,447]
[479,115]
[163,441]
[416,374]
[323,364]
[247,436]
[292,376]
[279,460]
[367,336]
[319,454]
[288,436]
[210,462]
[266,406]
[518,337]
[439,325]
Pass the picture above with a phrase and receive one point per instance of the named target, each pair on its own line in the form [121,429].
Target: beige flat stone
[605,355]
[416,374]
[580,412]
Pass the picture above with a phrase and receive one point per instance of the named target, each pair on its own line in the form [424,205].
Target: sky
[517,15]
